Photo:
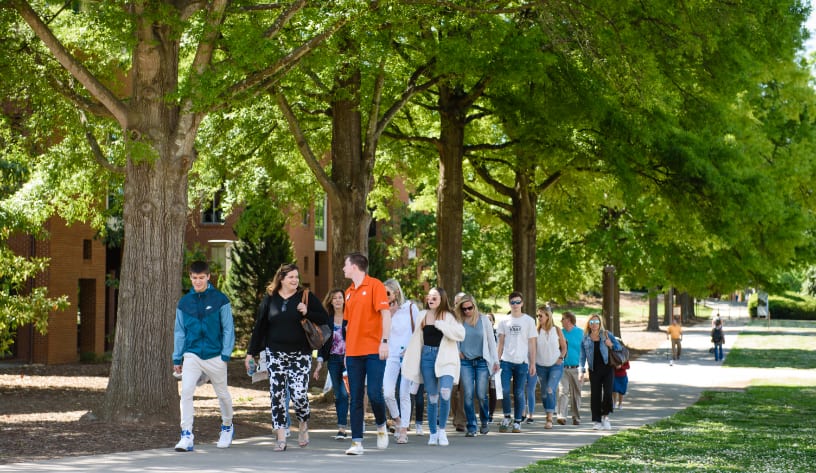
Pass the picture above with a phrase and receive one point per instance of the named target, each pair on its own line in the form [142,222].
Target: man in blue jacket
[203,339]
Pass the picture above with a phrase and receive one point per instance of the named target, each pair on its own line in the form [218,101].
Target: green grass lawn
[765,428]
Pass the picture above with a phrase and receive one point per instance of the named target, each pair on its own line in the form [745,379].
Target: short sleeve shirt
[363,306]
[517,333]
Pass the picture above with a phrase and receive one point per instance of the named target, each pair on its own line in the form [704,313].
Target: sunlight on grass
[785,344]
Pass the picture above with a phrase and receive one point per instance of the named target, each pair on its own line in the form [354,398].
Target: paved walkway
[656,390]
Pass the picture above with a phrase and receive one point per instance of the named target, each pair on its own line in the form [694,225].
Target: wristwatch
[385,340]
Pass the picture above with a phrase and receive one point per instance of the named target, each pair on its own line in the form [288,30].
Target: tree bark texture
[523,223]
[450,192]
[611,300]
[654,323]
[668,306]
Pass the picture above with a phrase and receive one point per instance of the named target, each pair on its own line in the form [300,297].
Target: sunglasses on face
[468,309]
[594,322]
[516,302]
[388,293]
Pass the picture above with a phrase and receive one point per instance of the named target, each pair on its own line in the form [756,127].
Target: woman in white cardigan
[478,361]
[432,357]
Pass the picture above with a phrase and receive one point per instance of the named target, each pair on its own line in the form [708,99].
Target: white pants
[192,367]
[392,372]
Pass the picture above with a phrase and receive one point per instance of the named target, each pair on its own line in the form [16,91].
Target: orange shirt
[363,306]
[675,331]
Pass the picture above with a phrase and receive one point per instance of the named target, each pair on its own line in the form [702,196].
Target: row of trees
[672,141]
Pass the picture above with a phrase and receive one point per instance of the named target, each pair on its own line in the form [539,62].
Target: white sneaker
[355,449]
[185,444]
[442,438]
[419,430]
[382,438]
[605,424]
[597,426]
[225,439]
[433,439]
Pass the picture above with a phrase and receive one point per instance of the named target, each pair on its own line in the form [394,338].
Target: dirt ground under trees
[43,409]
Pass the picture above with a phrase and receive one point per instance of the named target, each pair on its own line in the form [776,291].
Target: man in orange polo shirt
[369,322]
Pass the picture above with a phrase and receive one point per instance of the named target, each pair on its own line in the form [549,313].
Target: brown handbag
[316,334]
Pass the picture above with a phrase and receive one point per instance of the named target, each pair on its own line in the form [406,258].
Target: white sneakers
[433,439]
[605,423]
[356,448]
[382,438]
[419,430]
[185,444]
[442,438]
[597,426]
[225,439]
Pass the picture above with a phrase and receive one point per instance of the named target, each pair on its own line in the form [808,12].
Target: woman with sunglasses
[551,348]
[432,357]
[478,359]
[595,352]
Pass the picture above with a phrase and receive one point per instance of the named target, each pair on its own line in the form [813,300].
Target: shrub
[792,306]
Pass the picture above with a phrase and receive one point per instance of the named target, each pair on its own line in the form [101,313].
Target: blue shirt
[204,326]
[471,347]
[573,338]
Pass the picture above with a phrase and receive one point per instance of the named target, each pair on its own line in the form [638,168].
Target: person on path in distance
[203,339]
[620,385]
[675,332]
[517,354]
[551,348]
[278,332]
[595,353]
[571,380]
[718,338]
[335,352]
[478,359]
[405,318]
[432,358]
[369,323]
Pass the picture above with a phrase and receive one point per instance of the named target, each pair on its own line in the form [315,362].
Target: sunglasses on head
[515,302]
[468,308]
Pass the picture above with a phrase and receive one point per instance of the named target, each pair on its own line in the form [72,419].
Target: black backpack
[717,335]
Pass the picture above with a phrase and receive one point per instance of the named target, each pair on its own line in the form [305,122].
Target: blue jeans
[519,373]
[360,367]
[718,354]
[439,389]
[549,376]
[532,381]
[473,374]
[341,397]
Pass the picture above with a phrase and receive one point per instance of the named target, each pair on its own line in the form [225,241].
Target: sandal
[548,425]
[280,446]
[403,436]
[303,436]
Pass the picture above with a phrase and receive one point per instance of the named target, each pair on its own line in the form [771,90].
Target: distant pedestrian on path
[718,338]
[571,380]
[620,385]
[551,348]
[334,352]
[675,333]
[517,354]
[595,353]
[203,339]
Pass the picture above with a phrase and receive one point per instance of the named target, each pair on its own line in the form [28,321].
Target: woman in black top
[278,333]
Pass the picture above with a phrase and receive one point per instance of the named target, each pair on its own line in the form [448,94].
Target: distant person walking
[595,353]
[571,380]
[551,348]
[203,339]
[334,352]
[517,355]
[620,385]
[718,338]
[675,333]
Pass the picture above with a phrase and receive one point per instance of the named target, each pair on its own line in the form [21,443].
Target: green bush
[791,306]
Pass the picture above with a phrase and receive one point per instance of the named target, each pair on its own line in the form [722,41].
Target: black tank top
[431,336]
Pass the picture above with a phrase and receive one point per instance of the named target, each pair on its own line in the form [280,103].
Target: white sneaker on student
[185,444]
[433,439]
[355,449]
[382,438]
[597,426]
[442,438]
[419,430]
[605,423]
[225,439]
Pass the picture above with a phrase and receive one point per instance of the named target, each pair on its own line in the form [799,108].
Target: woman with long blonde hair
[551,348]
[595,353]
[432,358]
[478,361]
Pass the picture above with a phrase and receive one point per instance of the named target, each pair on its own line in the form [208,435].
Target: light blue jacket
[588,348]
[204,326]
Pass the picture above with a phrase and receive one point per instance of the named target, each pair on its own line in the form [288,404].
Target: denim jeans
[549,376]
[473,374]
[718,353]
[519,373]
[358,368]
[532,381]
[341,396]
[438,401]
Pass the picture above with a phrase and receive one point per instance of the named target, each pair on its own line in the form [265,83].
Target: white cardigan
[447,360]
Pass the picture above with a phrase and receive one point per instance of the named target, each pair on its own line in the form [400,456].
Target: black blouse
[278,326]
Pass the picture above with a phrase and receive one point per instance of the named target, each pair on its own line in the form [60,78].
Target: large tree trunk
[611,300]
[353,179]
[450,193]
[654,322]
[523,225]
[668,306]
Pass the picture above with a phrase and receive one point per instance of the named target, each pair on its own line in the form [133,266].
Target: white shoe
[605,424]
[442,438]
[597,426]
[185,444]
[355,449]
[419,430]
[382,438]
[225,439]
[433,439]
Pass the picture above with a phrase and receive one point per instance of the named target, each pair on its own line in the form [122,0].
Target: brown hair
[277,281]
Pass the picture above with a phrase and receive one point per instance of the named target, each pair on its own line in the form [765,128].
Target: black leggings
[600,384]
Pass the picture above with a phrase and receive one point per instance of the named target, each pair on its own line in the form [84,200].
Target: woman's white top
[548,348]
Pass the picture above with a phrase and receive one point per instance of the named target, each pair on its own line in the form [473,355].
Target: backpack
[717,335]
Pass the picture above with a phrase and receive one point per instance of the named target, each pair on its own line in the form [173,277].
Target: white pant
[392,372]
[192,367]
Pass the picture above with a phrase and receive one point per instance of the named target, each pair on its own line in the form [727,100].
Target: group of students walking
[390,348]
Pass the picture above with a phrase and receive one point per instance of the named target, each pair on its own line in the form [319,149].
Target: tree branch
[70,63]
[284,18]
[474,193]
[96,151]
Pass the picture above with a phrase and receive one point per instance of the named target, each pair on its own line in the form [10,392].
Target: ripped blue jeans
[438,389]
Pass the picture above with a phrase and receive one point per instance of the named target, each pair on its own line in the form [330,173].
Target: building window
[211,211]
[87,249]
[320,223]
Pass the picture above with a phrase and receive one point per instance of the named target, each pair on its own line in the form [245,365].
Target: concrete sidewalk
[656,390]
